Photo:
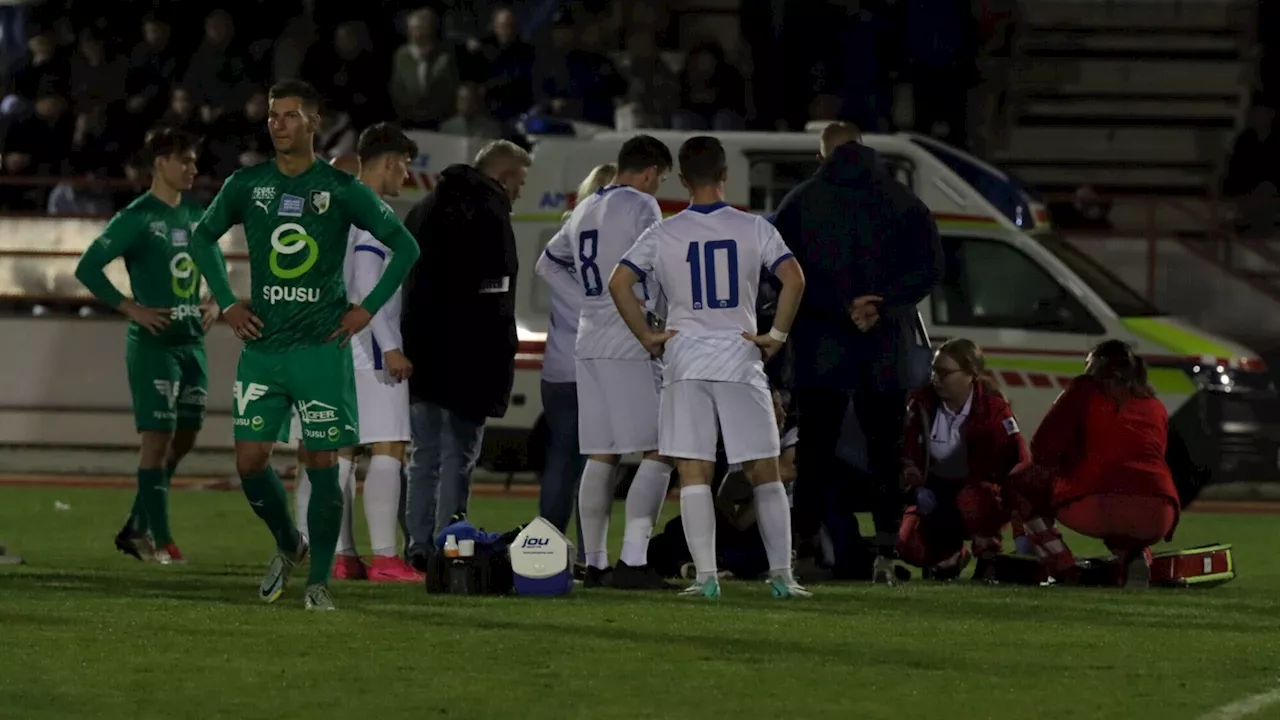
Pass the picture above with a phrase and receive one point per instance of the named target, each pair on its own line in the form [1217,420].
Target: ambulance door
[1033,330]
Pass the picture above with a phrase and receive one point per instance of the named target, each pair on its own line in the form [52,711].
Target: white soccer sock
[644,505]
[381,503]
[698,515]
[595,500]
[301,499]
[347,482]
[773,519]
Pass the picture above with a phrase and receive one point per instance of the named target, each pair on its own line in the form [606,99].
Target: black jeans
[821,477]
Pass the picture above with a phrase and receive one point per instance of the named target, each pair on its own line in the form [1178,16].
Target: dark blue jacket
[856,231]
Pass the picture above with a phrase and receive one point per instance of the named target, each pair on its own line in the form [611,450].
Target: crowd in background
[85,80]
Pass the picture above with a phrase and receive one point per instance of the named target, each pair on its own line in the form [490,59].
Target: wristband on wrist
[778,335]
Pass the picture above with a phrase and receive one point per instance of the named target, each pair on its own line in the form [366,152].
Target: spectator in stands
[336,135]
[472,118]
[43,68]
[239,140]
[96,147]
[1253,173]
[344,73]
[653,88]
[96,79]
[217,68]
[578,81]
[37,145]
[181,113]
[506,63]
[941,46]
[424,74]
[153,69]
[712,92]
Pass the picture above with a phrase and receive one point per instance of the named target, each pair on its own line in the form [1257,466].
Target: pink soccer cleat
[393,569]
[349,567]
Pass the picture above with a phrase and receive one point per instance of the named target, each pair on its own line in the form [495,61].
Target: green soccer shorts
[169,384]
[317,380]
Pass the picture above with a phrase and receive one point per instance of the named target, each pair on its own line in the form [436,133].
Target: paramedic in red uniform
[960,445]
[1099,467]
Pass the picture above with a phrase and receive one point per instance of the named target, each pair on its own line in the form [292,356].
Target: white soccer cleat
[783,588]
[707,589]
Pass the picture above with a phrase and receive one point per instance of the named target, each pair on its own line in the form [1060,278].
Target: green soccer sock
[137,515]
[267,496]
[324,521]
[153,491]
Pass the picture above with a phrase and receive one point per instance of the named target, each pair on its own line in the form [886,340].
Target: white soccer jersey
[366,258]
[706,261]
[602,228]
[558,364]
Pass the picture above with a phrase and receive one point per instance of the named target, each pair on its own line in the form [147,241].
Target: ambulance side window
[993,284]
[773,175]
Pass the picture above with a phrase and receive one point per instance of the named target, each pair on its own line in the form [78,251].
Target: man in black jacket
[459,330]
[870,252]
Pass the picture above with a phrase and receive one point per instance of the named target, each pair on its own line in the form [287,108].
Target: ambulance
[1030,299]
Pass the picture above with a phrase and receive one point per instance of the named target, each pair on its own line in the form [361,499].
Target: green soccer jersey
[154,240]
[296,229]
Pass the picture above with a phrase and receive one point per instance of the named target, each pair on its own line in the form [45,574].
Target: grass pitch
[88,633]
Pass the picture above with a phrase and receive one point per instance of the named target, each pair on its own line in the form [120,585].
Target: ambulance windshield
[1126,302]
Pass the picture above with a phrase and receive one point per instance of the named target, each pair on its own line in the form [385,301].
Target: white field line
[1245,706]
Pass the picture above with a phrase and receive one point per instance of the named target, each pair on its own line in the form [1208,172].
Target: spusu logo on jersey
[288,240]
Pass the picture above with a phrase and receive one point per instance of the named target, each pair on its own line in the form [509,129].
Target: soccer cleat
[170,555]
[349,567]
[885,572]
[783,588]
[708,589]
[392,569]
[638,577]
[277,577]
[598,577]
[135,544]
[318,598]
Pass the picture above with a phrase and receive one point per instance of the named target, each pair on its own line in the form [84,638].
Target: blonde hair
[501,152]
[599,176]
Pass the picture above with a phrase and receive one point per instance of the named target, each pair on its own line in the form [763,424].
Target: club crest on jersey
[178,237]
[320,201]
[290,206]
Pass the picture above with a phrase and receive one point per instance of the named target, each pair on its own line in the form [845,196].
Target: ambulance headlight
[1214,378]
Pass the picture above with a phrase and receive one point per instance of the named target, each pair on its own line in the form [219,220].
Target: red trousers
[1126,523]
[968,511]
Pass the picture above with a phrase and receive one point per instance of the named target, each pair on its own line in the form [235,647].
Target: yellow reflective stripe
[1176,340]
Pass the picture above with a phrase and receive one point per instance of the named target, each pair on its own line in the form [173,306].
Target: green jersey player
[164,346]
[297,211]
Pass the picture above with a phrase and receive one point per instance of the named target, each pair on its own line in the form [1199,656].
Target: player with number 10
[707,261]
[617,379]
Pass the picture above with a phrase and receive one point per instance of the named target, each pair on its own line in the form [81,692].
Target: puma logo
[262,204]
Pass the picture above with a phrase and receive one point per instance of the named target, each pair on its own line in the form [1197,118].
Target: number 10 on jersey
[702,273]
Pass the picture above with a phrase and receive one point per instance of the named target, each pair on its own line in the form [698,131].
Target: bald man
[870,252]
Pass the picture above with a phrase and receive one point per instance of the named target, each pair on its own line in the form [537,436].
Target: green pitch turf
[87,633]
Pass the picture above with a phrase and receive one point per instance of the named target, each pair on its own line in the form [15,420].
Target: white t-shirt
[706,262]
[366,259]
[602,228]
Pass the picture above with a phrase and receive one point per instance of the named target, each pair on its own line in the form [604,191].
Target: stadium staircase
[1134,97]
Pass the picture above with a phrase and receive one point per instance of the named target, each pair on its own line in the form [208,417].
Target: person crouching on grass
[960,445]
[1100,468]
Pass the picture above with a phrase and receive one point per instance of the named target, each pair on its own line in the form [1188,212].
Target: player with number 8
[617,379]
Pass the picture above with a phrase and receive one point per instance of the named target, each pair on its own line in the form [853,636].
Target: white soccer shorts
[695,413]
[617,406]
[383,405]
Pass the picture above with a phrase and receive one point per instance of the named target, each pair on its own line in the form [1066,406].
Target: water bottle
[457,566]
